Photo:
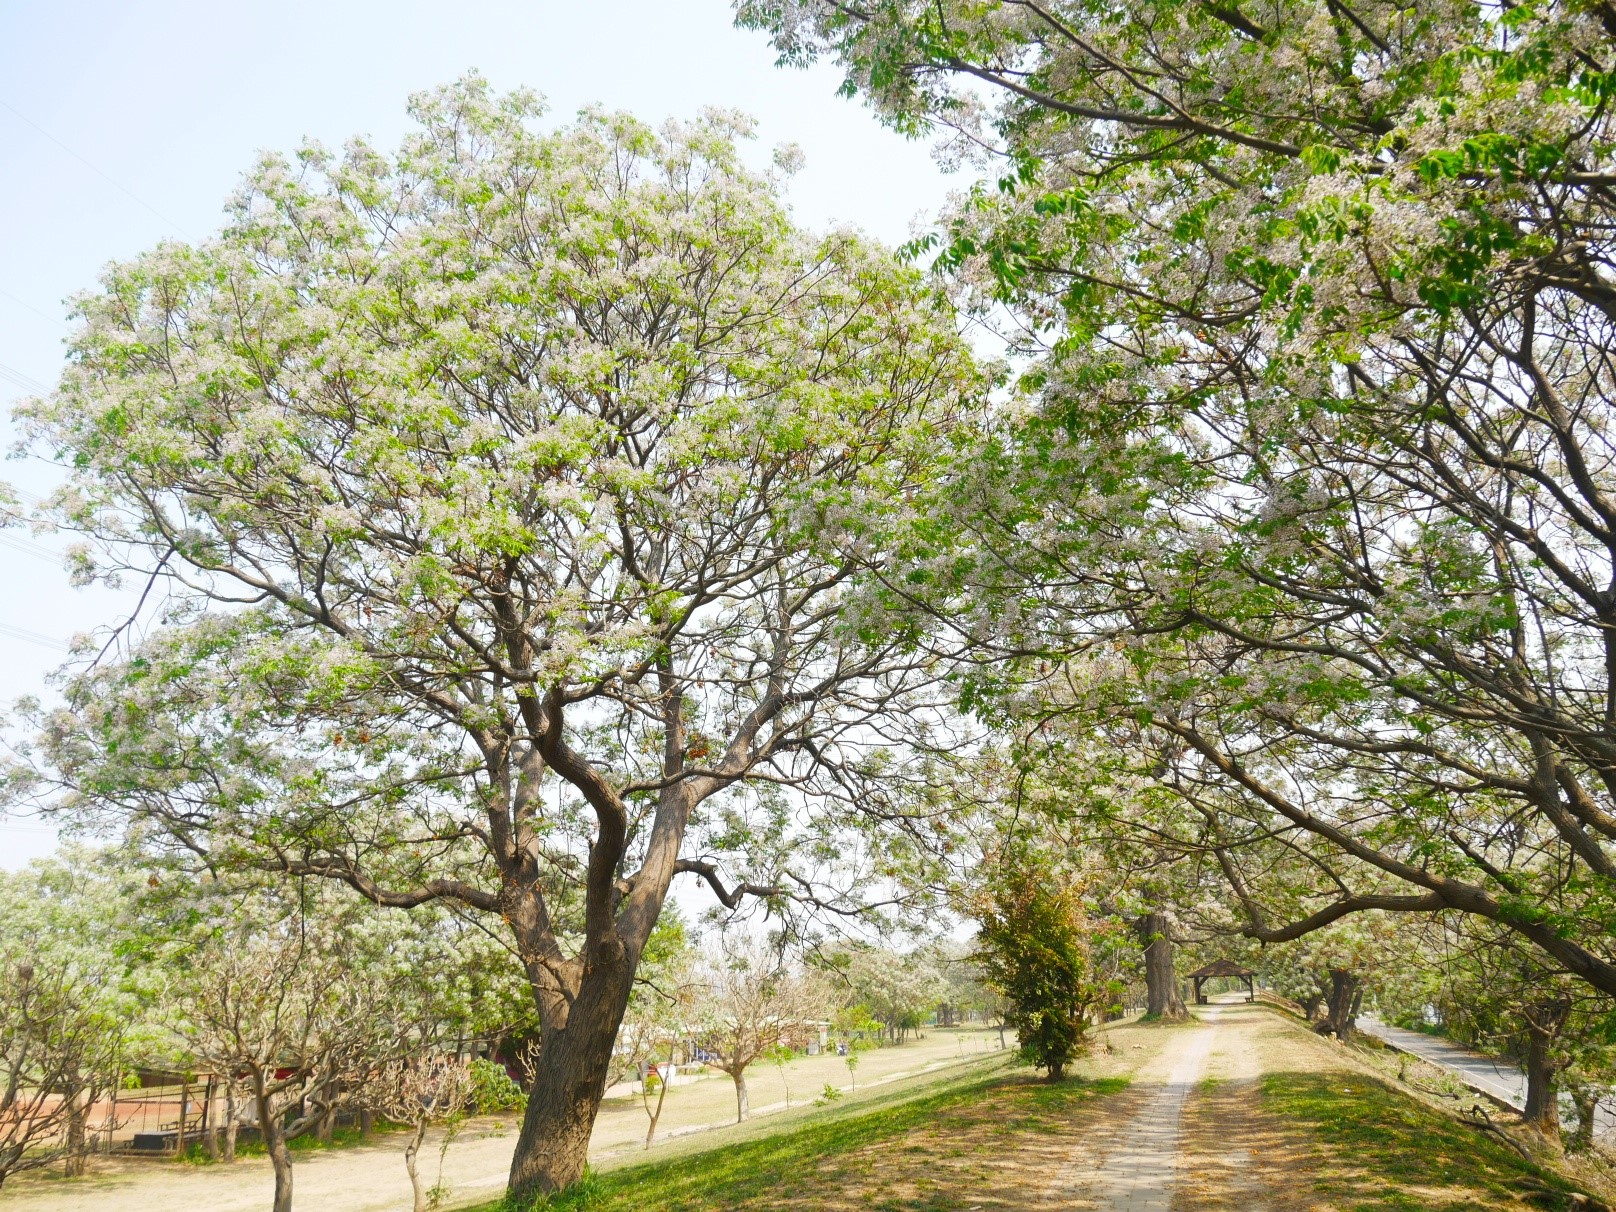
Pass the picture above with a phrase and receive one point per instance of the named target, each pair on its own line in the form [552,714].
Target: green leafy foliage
[494,1091]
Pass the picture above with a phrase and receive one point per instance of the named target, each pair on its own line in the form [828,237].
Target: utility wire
[17,379]
[38,550]
[27,306]
[33,637]
[22,117]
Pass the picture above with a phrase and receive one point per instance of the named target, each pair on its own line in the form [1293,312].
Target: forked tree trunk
[1543,1023]
[569,1080]
[1162,998]
[1340,1017]
[655,1113]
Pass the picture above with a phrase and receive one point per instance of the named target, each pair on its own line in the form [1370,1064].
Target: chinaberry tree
[504,497]
[1315,522]
[283,1005]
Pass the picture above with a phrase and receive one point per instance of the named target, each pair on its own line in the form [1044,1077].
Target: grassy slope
[842,1153]
[1377,1150]
[978,1141]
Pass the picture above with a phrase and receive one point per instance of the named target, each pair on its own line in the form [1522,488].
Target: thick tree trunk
[1162,998]
[743,1102]
[280,1157]
[1340,1017]
[1543,1023]
[411,1151]
[75,1161]
[568,1083]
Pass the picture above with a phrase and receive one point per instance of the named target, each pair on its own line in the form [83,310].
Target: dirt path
[1138,1174]
[1160,1158]
[1131,1165]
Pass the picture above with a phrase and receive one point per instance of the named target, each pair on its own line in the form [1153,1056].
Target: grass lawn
[982,1142]
[1314,1133]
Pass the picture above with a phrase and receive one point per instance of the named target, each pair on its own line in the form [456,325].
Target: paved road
[1499,1078]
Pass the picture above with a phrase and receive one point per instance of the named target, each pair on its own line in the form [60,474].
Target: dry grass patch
[1342,1141]
[992,1145]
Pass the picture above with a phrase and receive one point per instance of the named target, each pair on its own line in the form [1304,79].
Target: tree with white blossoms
[898,989]
[70,1010]
[506,496]
[280,1003]
[60,1053]
[1313,526]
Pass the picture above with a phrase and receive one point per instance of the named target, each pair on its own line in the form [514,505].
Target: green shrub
[493,1090]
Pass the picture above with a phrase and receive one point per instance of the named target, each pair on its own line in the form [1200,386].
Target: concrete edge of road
[1498,1100]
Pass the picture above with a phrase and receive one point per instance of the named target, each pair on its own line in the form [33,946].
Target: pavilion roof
[1222,967]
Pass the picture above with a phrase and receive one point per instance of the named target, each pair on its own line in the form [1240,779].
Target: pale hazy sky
[122,124]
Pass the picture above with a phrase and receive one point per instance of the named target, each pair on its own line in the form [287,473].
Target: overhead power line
[33,637]
[27,306]
[17,379]
[107,177]
[38,550]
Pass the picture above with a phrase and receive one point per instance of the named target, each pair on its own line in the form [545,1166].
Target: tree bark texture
[569,1081]
[1162,999]
[743,1102]
[274,1134]
[411,1153]
[1341,1012]
[230,1124]
[210,1120]
[1543,1023]
[75,1162]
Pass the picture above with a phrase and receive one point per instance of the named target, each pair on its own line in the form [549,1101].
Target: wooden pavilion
[1226,968]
